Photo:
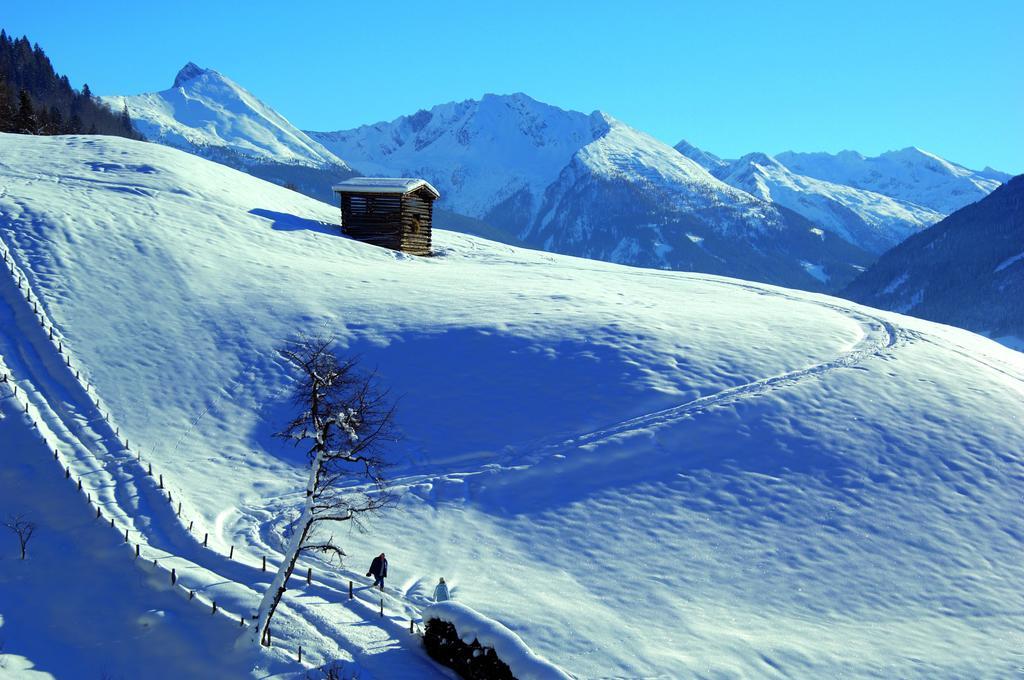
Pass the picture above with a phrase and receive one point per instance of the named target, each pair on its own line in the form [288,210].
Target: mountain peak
[705,158]
[761,159]
[189,72]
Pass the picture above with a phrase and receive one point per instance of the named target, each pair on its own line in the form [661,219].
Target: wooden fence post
[125,535]
[174,577]
[309,576]
[206,537]
[161,480]
[79,483]
[264,563]
[214,607]
[382,607]
[191,594]
[136,550]
[300,653]
[179,508]
[231,553]
[350,590]
[241,622]
[411,629]
[190,524]
[149,469]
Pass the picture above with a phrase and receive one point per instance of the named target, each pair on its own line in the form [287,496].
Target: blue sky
[731,77]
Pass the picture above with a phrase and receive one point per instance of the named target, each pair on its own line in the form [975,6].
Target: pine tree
[86,92]
[56,122]
[126,119]
[6,107]
[25,118]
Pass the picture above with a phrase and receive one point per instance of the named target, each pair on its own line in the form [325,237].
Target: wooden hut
[393,212]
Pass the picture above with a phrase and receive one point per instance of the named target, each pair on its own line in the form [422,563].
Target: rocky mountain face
[967,270]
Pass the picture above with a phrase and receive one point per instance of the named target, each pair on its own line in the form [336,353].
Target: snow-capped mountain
[210,115]
[498,151]
[642,473]
[967,270]
[911,175]
[590,185]
[207,113]
[871,220]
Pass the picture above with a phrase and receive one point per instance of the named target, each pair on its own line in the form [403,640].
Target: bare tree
[23,529]
[346,420]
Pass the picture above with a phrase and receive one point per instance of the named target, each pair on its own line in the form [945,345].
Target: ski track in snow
[879,338]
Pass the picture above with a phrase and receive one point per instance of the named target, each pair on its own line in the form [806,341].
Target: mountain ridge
[539,171]
[961,271]
[209,114]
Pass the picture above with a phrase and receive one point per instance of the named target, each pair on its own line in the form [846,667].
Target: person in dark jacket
[378,570]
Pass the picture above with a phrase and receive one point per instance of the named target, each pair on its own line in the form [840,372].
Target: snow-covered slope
[871,220]
[78,606]
[592,186]
[967,270]
[207,113]
[911,175]
[641,473]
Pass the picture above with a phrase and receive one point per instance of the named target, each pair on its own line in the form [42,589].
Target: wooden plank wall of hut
[416,224]
[373,218]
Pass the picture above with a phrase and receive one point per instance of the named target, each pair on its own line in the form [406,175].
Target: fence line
[177,580]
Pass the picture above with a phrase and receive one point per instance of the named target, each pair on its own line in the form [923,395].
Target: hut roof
[385,185]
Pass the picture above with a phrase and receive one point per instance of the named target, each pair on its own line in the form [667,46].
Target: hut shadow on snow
[286,222]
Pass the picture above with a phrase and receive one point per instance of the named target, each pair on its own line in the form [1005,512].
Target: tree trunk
[272,597]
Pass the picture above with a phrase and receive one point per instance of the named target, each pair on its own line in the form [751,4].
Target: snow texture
[641,473]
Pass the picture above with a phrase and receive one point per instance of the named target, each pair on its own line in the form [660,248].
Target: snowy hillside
[872,221]
[967,270]
[589,185]
[641,473]
[911,175]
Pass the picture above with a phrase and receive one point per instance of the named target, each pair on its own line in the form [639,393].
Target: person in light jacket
[441,591]
[378,570]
